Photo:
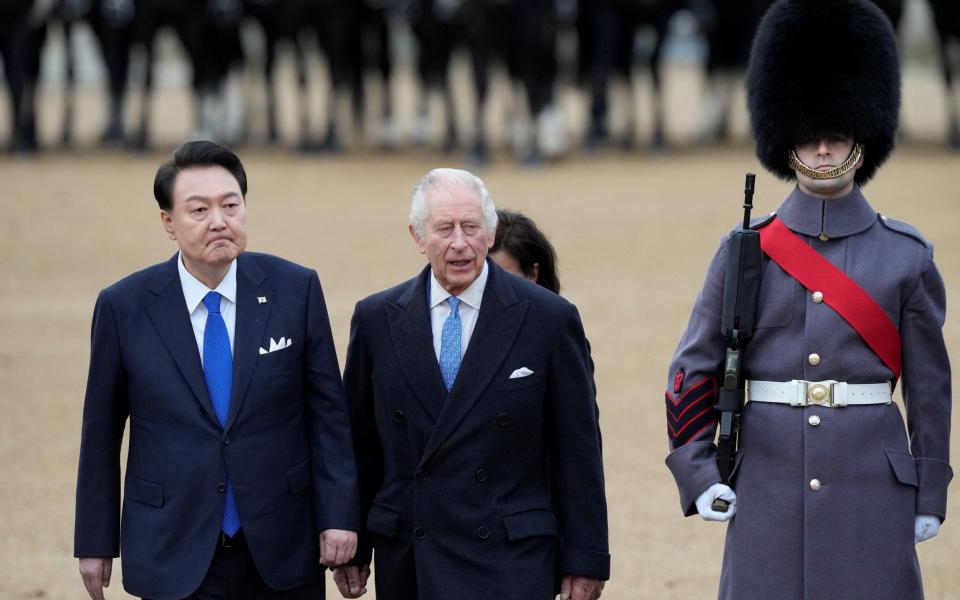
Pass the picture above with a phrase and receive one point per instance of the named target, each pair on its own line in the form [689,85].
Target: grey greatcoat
[853,537]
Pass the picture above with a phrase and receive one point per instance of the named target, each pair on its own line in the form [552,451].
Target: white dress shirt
[194,291]
[469,308]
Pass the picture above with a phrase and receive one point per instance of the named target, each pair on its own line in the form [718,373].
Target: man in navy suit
[475,423]
[240,474]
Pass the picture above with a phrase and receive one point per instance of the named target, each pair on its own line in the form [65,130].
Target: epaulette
[758,222]
[901,228]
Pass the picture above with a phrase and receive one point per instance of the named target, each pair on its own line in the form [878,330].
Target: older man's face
[455,238]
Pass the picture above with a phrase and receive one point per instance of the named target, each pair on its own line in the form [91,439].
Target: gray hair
[450,178]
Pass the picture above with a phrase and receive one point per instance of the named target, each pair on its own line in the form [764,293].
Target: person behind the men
[829,493]
[522,249]
[475,423]
[240,472]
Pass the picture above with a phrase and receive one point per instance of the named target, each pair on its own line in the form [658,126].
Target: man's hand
[96,575]
[351,580]
[575,587]
[705,500]
[925,527]
[337,546]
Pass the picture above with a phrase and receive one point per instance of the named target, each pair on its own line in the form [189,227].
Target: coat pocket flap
[383,520]
[903,467]
[143,491]
[298,477]
[520,383]
[531,523]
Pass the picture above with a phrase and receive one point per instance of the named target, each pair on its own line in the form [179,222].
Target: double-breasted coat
[495,489]
[850,534]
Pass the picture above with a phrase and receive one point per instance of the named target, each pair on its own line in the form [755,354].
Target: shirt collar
[472,296]
[835,217]
[194,291]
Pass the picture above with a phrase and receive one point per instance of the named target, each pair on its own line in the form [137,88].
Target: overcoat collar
[412,337]
[168,312]
[834,217]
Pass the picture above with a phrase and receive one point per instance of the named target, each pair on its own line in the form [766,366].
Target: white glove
[717,490]
[925,527]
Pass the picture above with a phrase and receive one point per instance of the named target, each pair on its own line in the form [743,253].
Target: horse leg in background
[946,19]
[479,44]
[69,83]
[538,72]
[305,143]
[659,139]
[113,22]
[378,22]
[604,35]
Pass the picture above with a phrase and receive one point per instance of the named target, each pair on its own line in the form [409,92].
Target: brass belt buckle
[820,394]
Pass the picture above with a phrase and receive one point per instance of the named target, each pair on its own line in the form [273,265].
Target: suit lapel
[251,321]
[412,338]
[169,315]
[500,319]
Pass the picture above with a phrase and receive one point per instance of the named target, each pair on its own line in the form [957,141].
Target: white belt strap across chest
[830,393]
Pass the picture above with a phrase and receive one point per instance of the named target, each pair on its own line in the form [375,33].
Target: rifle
[740,291]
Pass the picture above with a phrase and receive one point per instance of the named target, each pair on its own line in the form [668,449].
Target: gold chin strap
[855,153]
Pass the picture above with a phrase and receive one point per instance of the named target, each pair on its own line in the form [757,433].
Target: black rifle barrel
[740,292]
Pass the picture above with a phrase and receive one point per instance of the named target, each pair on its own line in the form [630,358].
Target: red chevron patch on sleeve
[692,412]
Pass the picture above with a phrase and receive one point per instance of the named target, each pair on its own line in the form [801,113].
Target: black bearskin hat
[823,67]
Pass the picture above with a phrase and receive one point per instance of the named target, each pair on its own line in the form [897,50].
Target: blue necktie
[218,373]
[450,344]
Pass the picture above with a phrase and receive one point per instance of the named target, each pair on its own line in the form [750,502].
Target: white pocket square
[275,345]
[521,372]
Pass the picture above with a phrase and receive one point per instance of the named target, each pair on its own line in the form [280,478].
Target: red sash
[840,292]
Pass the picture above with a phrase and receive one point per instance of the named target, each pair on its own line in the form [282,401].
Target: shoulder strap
[840,292]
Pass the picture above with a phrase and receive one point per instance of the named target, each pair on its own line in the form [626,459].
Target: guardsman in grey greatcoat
[829,493]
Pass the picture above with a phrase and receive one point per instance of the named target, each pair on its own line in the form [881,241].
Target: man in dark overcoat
[475,423]
[829,493]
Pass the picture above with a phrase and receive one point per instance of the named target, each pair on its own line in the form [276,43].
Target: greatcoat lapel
[500,319]
[412,338]
[251,321]
[168,312]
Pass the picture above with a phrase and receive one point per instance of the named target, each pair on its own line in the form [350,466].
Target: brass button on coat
[814,484]
[814,420]
[823,236]
[814,359]
[817,297]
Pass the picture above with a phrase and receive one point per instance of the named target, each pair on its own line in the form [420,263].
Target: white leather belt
[832,394]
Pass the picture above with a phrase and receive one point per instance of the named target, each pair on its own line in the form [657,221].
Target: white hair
[449,178]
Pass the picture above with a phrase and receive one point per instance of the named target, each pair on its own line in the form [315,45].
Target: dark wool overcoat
[495,489]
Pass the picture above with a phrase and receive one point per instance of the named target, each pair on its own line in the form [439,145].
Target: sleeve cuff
[585,563]
[934,476]
[694,467]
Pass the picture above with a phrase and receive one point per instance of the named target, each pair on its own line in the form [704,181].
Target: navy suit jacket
[494,489]
[286,445]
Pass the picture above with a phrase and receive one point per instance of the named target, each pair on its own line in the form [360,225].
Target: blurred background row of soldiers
[218,47]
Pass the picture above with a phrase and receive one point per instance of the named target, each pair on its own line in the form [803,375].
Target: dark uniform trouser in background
[233,576]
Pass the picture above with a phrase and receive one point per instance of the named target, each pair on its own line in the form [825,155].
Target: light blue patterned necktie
[450,344]
[218,373]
